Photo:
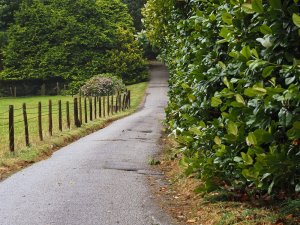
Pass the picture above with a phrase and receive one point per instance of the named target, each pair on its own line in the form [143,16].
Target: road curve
[97,180]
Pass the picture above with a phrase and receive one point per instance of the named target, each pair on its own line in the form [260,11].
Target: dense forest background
[50,41]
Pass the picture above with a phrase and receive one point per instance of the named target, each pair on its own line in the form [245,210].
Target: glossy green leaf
[246,52]
[240,99]
[217,140]
[215,101]
[296,19]
[247,159]
[247,7]
[227,18]
[255,91]
[251,139]
[276,4]
[257,6]
[265,29]
[232,128]
[268,71]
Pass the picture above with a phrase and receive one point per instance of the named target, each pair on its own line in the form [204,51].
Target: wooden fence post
[68,114]
[40,121]
[112,105]
[25,125]
[103,106]
[124,101]
[100,107]
[85,111]
[108,105]
[11,129]
[76,115]
[91,108]
[120,102]
[95,107]
[80,109]
[116,105]
[59,115]
[129,99]
[57,88]
[50,119]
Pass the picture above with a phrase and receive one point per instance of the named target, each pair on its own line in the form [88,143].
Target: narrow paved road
[97,180]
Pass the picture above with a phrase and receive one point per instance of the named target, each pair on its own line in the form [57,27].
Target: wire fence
[26,125]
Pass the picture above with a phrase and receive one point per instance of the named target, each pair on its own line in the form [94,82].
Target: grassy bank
[38,150]
[178,196]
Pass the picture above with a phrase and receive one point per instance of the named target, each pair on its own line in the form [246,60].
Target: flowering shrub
[103,84]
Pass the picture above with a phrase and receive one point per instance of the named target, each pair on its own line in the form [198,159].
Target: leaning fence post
[40,120]
[68,114]
[25,125]
[76,116]
[59,115]
[50,118]
[11,129]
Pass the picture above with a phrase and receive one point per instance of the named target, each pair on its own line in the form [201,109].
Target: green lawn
[137,92]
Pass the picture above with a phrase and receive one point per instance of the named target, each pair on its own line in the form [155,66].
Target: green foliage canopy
[135,7]
[7,10]
[71,40]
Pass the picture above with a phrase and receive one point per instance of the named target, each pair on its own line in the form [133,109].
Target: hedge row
[234,98]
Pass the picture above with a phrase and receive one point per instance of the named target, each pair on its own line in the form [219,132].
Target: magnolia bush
[103,84]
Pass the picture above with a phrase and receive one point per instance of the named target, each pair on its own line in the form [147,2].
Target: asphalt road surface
[97,180]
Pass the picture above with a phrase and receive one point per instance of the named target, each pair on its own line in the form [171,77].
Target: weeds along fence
[27,125]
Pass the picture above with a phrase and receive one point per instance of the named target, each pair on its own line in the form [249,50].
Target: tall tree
[67,39]
[135,7]
[7,10]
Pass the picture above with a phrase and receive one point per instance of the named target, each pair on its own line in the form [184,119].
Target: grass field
[137,92]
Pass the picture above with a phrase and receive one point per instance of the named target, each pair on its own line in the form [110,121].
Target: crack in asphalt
[145,140]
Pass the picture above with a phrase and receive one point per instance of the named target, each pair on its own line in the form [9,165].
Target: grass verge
[176,194]
[10,163]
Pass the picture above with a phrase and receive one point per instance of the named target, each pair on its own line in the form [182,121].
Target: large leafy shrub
[234,97]
[102,85]
[72,40]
